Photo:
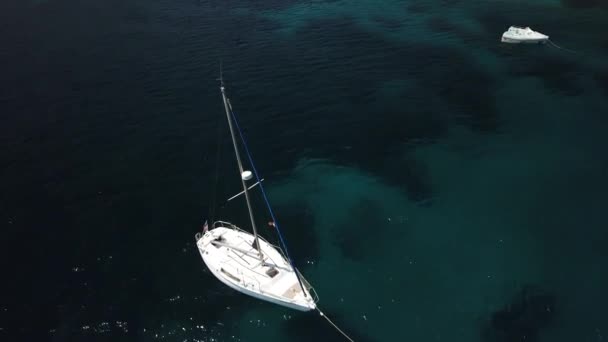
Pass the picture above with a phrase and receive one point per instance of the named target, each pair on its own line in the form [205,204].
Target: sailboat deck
[231,254]
[293,291]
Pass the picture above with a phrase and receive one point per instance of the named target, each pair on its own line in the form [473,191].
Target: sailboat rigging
[244,261]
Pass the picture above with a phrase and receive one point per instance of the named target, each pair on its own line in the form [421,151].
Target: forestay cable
[274,219]
[257,176]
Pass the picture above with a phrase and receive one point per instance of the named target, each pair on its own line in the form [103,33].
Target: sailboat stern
[291,292]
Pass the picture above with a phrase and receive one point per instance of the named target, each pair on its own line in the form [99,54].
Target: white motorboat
[516,35]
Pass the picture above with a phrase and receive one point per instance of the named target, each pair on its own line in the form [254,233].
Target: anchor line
[559,47]
[334,325]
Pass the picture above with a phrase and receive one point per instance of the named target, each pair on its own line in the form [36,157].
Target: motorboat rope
[559,47]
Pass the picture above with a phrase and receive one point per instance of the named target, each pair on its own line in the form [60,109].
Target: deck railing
[311,290]
[225,224]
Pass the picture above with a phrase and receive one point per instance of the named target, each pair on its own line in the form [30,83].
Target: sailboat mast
[238,160]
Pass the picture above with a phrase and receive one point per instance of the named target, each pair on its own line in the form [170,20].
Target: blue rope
[255,172]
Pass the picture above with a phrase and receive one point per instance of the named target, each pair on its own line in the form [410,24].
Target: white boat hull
[523,41]
[237,264]
[256,294]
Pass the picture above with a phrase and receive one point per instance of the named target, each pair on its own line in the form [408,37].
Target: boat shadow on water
[531,310]
[299,222]
[347,236]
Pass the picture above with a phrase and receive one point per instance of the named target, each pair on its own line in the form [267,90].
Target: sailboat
[245,261]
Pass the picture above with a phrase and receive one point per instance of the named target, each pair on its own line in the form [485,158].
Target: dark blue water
[433,184]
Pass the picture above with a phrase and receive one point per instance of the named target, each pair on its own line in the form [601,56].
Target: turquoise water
[423,173]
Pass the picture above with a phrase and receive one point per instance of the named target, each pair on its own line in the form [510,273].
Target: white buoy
[246,175]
